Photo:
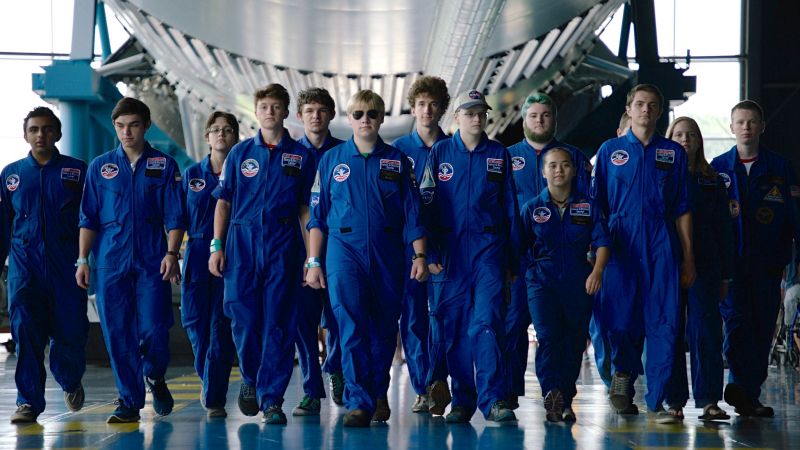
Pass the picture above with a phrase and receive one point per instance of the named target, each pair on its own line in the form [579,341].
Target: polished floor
[188,428]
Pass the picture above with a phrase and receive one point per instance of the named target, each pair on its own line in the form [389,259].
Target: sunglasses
[372,114]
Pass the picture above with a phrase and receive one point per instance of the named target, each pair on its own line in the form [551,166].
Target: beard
[542,138]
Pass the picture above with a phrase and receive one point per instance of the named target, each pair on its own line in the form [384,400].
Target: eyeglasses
[471,115]
[372,114]
[215,130]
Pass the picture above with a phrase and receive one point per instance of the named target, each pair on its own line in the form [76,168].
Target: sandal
[713,412]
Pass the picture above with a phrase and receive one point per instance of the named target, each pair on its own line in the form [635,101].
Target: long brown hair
[699,163]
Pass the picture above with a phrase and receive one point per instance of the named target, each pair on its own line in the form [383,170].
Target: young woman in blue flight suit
[429,100]
[699,316]
[131,198]
[763,194]
[471,205]
[39,206]
[559,225]
[316,109]
[539,113]
[365,204]
[262,203]
[208,329]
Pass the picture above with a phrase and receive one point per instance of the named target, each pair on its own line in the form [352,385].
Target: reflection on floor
[188,428]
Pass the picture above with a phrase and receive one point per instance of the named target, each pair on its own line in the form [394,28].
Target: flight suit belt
[344,230]
[196,236]
[279,220]
[486,229]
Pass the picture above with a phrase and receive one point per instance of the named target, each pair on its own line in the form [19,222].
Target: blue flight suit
[130,211]
[642,190]
[471,204]
[264,253]
[699,316]
[314,304]
[414,322]
[556,280]
[366,207]
[202,316]
[764,207]
[527,165]
[39,206]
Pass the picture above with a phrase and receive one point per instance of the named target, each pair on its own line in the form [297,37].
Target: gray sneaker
[74,400]
[420,404]
[247,402]
[24,414]
[620,392]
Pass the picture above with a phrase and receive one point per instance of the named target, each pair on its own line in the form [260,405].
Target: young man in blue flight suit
[262,203]
[472,208]
[365,205]
[763,194]
[429,100]
[640,183]
[539,125]
[202,315]
[316,109]
[132,195]
[39,232]
[559,225]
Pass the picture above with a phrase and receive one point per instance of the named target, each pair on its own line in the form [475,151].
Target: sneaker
[274,415]
[763,410]
[337,388]
[513,402]
[630,410]
[356,418]
[162,399]
[420,404]
[382,411]
[438,397]
[216,413]
[569,415]
[247,400]
[24,414]
[74,400]
[736,396]
[554,405]
[620,392]
[664,417]
[309,406]
[501,412]
[457,414]
[123,414]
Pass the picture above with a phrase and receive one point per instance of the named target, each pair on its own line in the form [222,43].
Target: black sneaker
[123,414]
[162,399]
[554,405]
[24,414]
[420,404]
[630,410]
[501,412]
[337,388]
[438,397]
[74,400]
[274,415]
[247,402]
[569,415]
[309,406]
[513,402]
[760,410]
[736,396]
[356,418]
[457,414]
[382,411]
[620,392]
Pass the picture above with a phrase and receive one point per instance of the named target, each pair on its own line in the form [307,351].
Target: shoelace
[619,385]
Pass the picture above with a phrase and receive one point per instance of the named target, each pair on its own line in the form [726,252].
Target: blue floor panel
[188,428]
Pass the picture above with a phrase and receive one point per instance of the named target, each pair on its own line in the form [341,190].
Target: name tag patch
[494,169]
[390,169]
[291,164]
[580,213]
[159,163]
[665,158]
[70,174]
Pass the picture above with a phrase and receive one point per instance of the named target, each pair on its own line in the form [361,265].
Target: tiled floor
[188,428]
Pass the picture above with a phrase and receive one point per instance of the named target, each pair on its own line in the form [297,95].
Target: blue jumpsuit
[130,210]
[39,206]
[414,323]
[699,315]
[366,207]
[642,190]
[526,164]
[264,254]
[764,208]
[314,304]
[208,329]
[556,280]
[471,204]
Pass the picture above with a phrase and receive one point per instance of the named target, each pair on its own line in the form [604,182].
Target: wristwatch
[177,255]
[418,256]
